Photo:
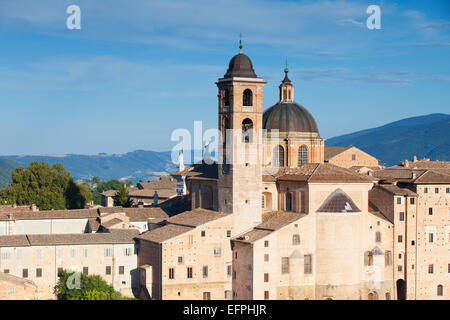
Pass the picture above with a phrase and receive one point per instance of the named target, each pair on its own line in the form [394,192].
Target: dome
[289,117]
[240,66]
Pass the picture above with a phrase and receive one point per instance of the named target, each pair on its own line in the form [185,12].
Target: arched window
[440,290]
[247,130]
[247,98]
[288,205]
[278,156]
[226,97]
[373,296]
[302,155]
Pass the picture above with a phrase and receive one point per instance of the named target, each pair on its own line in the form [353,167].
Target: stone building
[16,288]
[350,157]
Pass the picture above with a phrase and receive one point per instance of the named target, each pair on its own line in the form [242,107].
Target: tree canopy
[104,186]
[48,187]
[122,198]
[78,286]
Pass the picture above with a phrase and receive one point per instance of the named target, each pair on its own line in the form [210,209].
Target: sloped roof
[337,202]
[20,240]
[165,182]
[200,170]
[408,175]
[16,280]
[396,190]
[271,222]
[331,152]
[321,172]
[181,223]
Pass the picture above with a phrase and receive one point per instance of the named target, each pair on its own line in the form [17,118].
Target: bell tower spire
[286,87]
[240,43]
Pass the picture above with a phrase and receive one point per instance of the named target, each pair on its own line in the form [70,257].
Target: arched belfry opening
[226,98]
[247,130]
[247,98]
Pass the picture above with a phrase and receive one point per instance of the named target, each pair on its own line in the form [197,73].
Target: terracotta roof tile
[331,152]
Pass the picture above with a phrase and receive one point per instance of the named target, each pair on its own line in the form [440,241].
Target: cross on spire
[240,42]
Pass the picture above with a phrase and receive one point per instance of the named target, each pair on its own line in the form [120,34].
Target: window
[387,258]
[227,295]
[25,273]
[11,290]
[400,268]
[378,236]
[108,270]
[235,255]
[430,237]
[72,253]
[263,202]
[39,254]
[388,296]
[228,233]
[217,251]
[399,200]
[430,268]
[205,271]
[266,295]
[6,255]
[189,272]
[436,190]
[60,253]
[440,290]
[266,257]
[247,130]
[412,200]
[190,239]
[302,155]
[6,271]
[402,216]
[308,264]
[226,97]
[247,98]
[278,156]
[430,211]
[121,270]
[425,190]
[86,270]
[296,239]
[285,265]
[229,270]
[353,157]
[19,254]
[127,252]
[180,260]
[413,242]
[108,252]
[288,204]
[203,233]
[448,268]
[206,295]
[266,277]
[171,273]
[38,272]
[400,238]
[266,243]
[447,190]
[399,255]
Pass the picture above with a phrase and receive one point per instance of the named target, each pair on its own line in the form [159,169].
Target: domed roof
[289,117]
[240,66]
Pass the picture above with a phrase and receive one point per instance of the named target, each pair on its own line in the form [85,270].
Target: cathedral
[297,225]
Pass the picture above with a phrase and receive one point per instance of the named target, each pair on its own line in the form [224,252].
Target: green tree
[122,198]
[49,187]
[104,186]
[88,287]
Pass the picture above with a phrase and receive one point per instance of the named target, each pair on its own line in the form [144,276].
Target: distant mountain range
[133,166]
[424,136]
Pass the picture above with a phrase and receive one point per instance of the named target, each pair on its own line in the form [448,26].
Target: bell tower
[240,155]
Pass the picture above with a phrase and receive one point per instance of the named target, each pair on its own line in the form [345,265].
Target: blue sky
[139,69]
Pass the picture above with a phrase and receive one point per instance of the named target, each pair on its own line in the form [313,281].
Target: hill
[133,166]
[5,167]
[424,136]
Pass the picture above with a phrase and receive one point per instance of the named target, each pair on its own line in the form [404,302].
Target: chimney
[415,159]
[406,163]
[413,175]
